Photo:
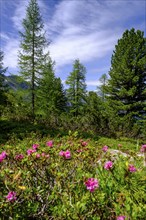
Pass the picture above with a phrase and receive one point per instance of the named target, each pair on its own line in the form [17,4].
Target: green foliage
[31,56]
[76,93]
[51,99]
[126,87]
[48,186]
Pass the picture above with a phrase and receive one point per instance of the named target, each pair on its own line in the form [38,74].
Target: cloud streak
[84,29]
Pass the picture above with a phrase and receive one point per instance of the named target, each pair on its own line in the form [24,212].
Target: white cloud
[84,29]
[11,52]
[93,83]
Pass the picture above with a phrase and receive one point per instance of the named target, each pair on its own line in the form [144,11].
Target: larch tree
[76,93]
[126,89]
[32,57]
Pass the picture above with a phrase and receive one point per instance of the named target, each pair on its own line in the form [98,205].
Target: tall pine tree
[126,87]
[31,56]
[76,93]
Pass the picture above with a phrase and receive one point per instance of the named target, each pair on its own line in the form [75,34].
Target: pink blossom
[79,150]
[84,143]
[131,168]
[108,165]
[49,143]
[19,157]
[11,196]
[30,151]
[47,155]
[3,156]
[121,217]
[61,153]
[38,155]
[35,146]
[65,154]
[143,148]
[105,148]
[91,184]
[43,154]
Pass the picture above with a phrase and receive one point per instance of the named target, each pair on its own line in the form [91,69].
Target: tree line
[118,107]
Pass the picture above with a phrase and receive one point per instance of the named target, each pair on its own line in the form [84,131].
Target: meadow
[70,177]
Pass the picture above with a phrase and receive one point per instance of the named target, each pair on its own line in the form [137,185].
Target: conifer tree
[126,87]
[76,93]
[51,97]
[33,42]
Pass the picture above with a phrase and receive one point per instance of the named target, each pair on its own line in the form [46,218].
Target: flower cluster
[49,143]
[108,165]
[35,146]
[143,148]
[43,155]
[65,154]
[131,168]
[3,156]
[105,148]
[91,184]
[19,157]
[121,217]
[11,196]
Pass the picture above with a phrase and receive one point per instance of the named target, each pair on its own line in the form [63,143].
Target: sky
[87,30]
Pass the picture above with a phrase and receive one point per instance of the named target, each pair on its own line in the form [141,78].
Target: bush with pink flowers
[70,178]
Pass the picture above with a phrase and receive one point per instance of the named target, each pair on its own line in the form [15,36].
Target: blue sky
[83,29]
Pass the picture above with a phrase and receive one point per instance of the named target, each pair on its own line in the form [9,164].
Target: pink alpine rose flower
[131,168]
[84,143]
[65,154]
[108,165]
[121,217]
[38,155]
[3,155]
[105,148]
[91,184]
[31,151]
[11,197]
[49,143]
[19,157]
[35,146]
[143,148]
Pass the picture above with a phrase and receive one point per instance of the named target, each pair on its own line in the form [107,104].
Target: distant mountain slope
[15,82]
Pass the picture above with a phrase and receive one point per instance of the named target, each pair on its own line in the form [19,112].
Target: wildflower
[11,196]
[84,143]
[119,145]
[143,148]
[49,143]
[19,157]
[43,154]
[79,150]
[65,154]
[121,217]
[91,184]
[3,156]
[30,151]
[38,155]
[131,168]
[105,148]
[108,165]
[35,146]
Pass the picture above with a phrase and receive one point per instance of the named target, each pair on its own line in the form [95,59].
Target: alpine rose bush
[108,165]
[91,184]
